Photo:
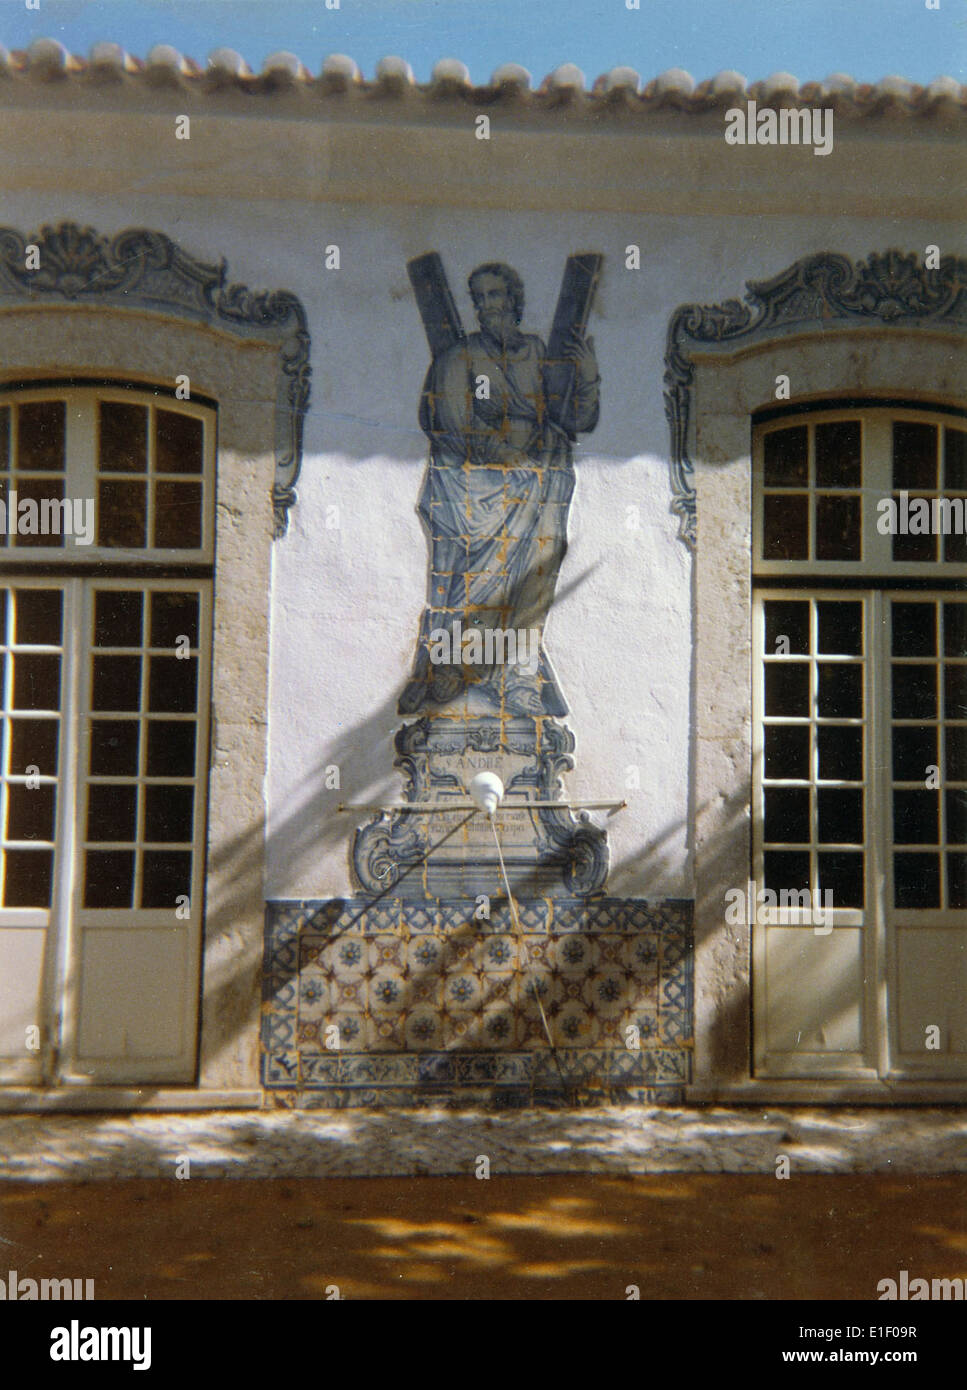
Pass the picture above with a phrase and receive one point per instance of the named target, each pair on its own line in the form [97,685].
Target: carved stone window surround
[156,315]
[903,338]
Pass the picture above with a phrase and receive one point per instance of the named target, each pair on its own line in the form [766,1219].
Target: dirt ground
[556,1237]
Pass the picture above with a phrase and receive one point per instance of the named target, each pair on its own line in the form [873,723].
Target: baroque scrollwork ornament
[830,291]
[141,269]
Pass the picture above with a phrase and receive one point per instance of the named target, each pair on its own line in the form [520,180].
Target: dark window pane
[956,755]
[45,521]
[786,457]
[785,527]
[914,750]
[840,691]
[112,812]
[841,874]
[33,742]
[955,629]
[840,816]
[789,619]
[913,629]
[168,813]
[787,688]
[840,629]
[955,548]
[4,438]
[36,681]
[38,617]
[172,685]
[116,683]
[40,437]
[916,880]
[838,527]
[3,614]
[918,543]
[173,615]
[957,880]
[123,438]
[786,815]
[957,817]
[787,869]
[916,817]
[177,517]
[108,877]
[171,748]
[914,455]
[117,618]
[179,443]
[955,459]
[840,753]
[114,748]
[121,514]
[955,692]
[786,750]
[166,876]
[30,812]
[914,692]
[28,875]
[838,461]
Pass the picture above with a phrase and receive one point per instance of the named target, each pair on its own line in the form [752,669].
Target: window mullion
[80,461]
[879,943]
[63,969]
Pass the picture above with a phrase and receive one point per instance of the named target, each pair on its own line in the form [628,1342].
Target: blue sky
[810,38]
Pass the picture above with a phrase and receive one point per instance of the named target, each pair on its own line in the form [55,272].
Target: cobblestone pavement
[563,1236]
[276,1143]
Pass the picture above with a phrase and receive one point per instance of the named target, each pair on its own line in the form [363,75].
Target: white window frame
[147,570]
[876,549]
[81,474]
[870,581]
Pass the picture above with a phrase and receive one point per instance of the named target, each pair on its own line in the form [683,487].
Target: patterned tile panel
[417,1003]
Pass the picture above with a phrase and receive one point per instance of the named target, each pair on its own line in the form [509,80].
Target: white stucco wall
[346,600]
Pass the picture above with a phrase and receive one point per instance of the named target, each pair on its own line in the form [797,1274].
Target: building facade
[359,438]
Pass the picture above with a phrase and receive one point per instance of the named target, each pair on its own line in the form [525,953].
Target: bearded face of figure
[494,303]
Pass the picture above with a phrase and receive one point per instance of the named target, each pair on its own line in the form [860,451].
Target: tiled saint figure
[501,416]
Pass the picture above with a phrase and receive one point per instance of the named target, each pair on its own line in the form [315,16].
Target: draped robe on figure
[495,501]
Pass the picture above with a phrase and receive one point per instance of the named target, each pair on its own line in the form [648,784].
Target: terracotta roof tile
[47,60]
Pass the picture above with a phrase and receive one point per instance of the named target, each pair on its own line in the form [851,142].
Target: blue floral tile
[433,1006]
[574,955]
[497,953]
[498,1026]
[386,993]
[352,1028]
[423,954]
[423,1029]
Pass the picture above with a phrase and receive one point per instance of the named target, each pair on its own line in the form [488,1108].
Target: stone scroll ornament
[501,411]
[144,270]
[826,291]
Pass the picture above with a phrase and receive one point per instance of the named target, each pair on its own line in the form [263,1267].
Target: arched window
[801,418]
[106,556]
[860,742]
